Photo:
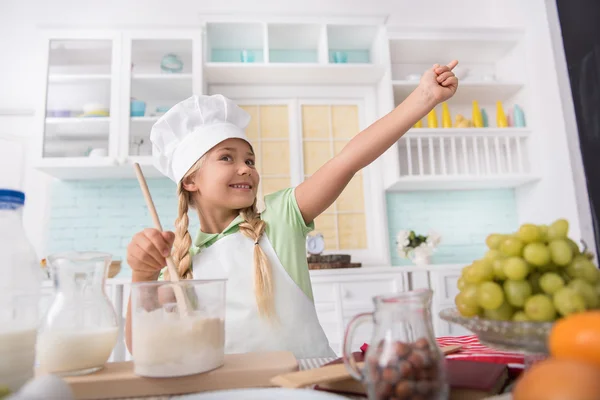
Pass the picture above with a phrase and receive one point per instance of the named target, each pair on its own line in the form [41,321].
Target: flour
[167,345]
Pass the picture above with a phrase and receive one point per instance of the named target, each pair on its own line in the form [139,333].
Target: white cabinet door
[357,298]
[340,298]
[329,312]
[443,284]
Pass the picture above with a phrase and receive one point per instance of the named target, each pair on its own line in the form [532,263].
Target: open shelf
[231,73]
[426,46]
[226,42]
[462,159]
[147,54]
[463,182]
[294,43]
[489,59]
[457,132]
[77,127]
[355,43]
[483,92]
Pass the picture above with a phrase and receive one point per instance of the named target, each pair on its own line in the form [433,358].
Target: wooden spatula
[180,297]
[329,373]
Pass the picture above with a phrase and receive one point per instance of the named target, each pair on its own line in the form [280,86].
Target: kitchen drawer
[364,291]
[444,285]
[324,292]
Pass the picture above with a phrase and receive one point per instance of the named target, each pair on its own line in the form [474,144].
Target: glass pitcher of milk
[80,328]
[20,287]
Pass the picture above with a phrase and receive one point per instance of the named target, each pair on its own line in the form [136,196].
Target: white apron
[298,330]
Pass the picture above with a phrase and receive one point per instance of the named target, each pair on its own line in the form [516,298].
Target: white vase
[420,258]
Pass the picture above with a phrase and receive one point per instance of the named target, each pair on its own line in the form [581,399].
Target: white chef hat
[193,127]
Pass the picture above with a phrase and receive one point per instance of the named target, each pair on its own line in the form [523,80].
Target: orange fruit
[577,337]
[554,379]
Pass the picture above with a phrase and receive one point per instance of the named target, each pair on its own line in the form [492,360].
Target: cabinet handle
[347,294]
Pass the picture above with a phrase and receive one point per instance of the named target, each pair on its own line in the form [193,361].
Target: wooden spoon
[180,297]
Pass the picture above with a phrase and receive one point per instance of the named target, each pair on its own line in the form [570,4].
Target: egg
[554,379]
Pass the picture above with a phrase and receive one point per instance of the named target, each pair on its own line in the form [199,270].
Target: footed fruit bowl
[529,338]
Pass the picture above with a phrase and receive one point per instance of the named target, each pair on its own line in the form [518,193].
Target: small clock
[315,244]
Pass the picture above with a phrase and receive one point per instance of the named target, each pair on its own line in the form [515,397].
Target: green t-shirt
[286,231]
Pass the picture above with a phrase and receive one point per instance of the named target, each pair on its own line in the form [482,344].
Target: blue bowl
[138,108]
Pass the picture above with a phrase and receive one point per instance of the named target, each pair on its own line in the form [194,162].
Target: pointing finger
[452,64]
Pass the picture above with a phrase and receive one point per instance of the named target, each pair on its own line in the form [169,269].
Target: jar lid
[13,197]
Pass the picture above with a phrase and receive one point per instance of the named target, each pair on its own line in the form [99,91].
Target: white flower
[402,238]
[433,239]
[402,242]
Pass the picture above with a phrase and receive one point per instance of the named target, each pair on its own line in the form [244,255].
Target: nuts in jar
[404,371]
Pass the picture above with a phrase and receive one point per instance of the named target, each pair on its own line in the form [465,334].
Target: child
[201,145]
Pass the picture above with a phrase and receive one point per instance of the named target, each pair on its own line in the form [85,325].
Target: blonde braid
[183,240]
[253,227]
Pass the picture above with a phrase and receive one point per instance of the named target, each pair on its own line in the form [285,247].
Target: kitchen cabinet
[464,156]
[86,126]
[291,52]
[104,89]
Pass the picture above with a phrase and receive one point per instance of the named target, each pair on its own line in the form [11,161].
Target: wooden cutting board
[333,376]
[248,370]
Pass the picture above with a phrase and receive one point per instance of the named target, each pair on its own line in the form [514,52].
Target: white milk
[75,350]
[165,345]
[17,356]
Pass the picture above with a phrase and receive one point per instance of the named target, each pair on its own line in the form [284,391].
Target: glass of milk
[169,341]
[80,328]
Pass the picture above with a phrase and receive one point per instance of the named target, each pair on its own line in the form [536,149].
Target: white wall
[20,76]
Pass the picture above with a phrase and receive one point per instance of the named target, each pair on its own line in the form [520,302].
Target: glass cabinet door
[80,109]
[269,132]
[326,128]
[161,74]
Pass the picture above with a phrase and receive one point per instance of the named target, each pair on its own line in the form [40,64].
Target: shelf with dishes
[280,53]
[461,159]
[104,91]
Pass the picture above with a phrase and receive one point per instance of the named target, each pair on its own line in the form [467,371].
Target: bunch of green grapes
[535,274]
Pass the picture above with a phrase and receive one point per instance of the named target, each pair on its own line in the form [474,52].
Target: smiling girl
[200,144]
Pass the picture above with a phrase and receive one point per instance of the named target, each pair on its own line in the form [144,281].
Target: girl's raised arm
[320,190]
